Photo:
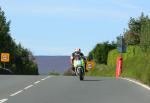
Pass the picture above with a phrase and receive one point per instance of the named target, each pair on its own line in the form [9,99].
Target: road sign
[5,57]
[121,45]
[90,65]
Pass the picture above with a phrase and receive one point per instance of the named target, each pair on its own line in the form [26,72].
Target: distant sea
[47,64]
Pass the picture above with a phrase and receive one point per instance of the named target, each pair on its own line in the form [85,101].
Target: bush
[100,52]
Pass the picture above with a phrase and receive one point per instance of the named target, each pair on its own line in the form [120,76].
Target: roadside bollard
[119,66]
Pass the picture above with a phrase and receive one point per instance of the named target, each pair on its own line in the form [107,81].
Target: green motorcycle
[79,66]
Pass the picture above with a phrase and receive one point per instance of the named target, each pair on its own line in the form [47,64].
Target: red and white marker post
[119,66]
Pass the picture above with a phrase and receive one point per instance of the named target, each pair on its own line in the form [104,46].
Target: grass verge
[136,65]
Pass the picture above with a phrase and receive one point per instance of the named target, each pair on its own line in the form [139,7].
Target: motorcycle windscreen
[77,63]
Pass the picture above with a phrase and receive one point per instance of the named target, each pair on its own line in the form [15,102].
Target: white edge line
[138,83]
[16,93]
[36,82]
[28,87]
[3,100]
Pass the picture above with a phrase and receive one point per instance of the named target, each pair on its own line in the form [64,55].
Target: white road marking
[43,79]
[46,78]
[16,93]
[36,82]
[3,100]
[28,87]
[138,83]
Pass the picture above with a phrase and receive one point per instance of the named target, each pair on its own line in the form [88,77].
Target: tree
[20,62]
[131,38]
[145,37]
[133,35]
[100,52]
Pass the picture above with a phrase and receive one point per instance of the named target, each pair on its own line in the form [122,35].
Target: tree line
[137,33]
[100,52]
[21,59]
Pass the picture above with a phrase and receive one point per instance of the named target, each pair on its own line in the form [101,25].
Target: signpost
[5,57]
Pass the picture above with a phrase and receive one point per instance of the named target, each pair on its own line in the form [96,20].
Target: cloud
[117,9]
[69,11]
[132,8]
[126,4]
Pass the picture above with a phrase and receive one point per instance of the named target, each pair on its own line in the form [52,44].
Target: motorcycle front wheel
[81,74]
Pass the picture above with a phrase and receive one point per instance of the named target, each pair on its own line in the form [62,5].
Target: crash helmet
[77,50]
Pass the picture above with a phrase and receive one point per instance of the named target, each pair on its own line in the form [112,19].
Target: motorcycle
[79,67]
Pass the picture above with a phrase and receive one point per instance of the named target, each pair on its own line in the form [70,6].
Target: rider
[77,52]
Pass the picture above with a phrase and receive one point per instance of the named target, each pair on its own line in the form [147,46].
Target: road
[61,89]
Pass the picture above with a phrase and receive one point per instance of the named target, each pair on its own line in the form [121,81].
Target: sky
[57,27]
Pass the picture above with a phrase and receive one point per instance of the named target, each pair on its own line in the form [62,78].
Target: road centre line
[3,100]
[16,93]
[28,87]
[138,83]
[46,78]
[20,91]
[43,79]
[36,82]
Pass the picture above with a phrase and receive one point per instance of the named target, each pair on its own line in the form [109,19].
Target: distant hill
[48,64]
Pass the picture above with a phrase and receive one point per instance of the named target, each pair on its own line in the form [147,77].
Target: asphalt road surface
[53,89]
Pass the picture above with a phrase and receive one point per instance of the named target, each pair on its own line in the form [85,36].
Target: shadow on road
[93,80]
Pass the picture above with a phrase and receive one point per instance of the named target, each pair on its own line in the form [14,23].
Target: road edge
[137,83]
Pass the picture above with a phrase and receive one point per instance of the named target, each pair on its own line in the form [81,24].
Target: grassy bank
[101,70]
[136,64]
